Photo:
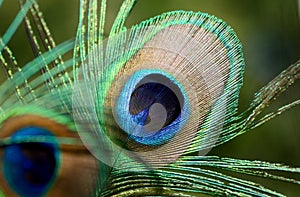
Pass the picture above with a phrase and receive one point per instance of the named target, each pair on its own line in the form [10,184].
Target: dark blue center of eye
[29,168]
[146,95]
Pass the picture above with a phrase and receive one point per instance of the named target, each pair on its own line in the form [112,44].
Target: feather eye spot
[41,157]
[151,107]
[119,84]
[29,168]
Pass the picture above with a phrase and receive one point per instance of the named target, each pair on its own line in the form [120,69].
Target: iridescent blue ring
[127,121]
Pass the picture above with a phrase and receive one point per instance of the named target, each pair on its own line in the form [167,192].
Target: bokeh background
[270,34]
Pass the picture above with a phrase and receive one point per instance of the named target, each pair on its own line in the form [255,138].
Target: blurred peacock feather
[132,113]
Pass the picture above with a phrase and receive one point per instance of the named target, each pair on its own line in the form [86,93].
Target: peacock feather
[131,112]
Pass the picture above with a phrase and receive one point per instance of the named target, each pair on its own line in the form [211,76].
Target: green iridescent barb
[133,113]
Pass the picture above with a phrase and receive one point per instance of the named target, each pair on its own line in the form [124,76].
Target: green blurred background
[270,33]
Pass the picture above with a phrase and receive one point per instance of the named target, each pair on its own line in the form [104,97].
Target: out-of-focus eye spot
[30,168]
[43,157]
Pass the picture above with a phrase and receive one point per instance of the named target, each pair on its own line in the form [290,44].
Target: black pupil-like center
[145,95]
[40,163]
